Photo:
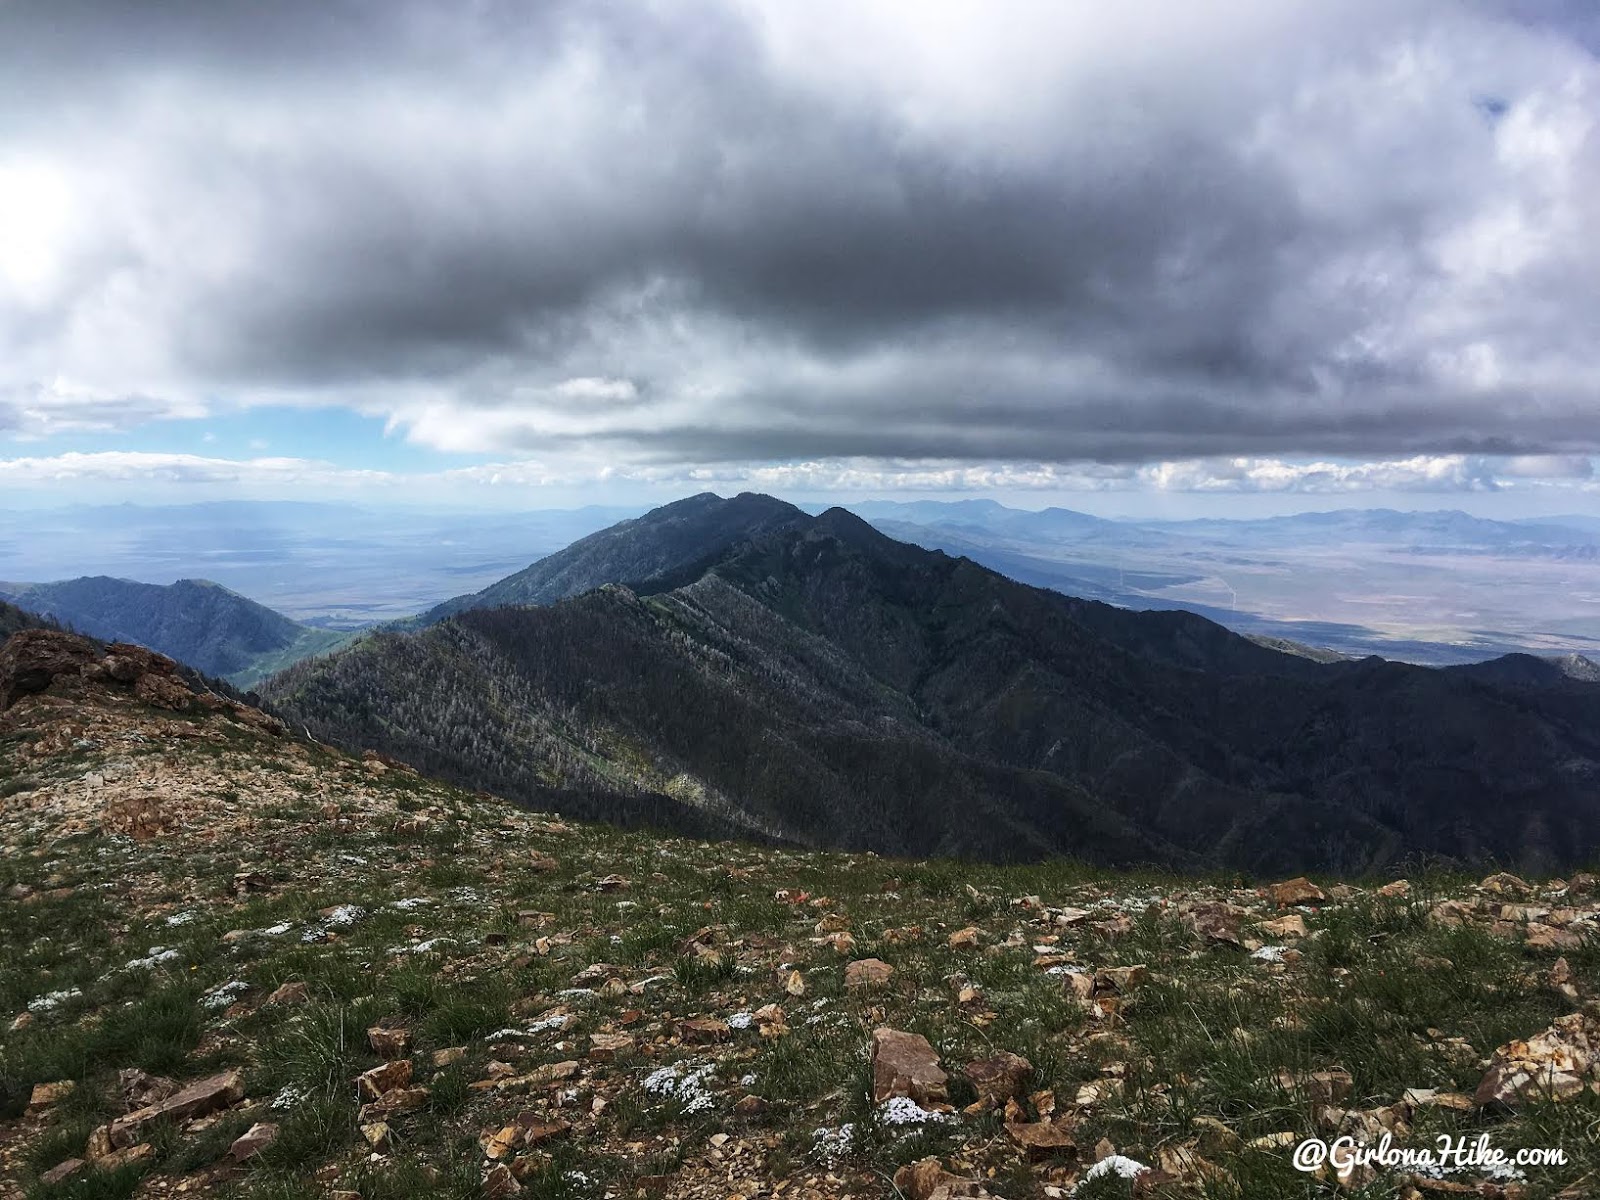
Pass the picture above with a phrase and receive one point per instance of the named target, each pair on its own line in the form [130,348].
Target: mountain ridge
[631,551]
[202,624]
[1057,725]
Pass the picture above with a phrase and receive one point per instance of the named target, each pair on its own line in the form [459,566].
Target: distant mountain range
[1441,528]
[741,666]
[217,632]
[1440,587]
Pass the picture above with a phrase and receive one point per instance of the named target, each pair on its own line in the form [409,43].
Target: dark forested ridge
[13,618]
[816,682]
[202,624]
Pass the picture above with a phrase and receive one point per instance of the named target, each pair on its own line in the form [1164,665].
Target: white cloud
[296,477]
[685,235]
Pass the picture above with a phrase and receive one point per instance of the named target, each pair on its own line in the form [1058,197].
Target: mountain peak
[662,544]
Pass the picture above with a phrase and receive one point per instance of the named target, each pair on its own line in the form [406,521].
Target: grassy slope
[308,644]
[495,939]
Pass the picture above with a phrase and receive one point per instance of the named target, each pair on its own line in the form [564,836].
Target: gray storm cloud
[737,232]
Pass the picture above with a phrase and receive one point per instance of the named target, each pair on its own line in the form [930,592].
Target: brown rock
[289,993]
[253,1141]
[541,862]
[918,1180]
[770,1021]
[702,1030]
[1041,1139]
[1319,1087]
[594,973]
[378,1082]
[497,1143]
[604,1047]
[750,1106]
[62,1171]
[999,1077]
[536,1131]
[499,1181]
[1215,923]
[927,1180]
[140,1089]
[1081,985]
[904,1064]
[964,939]
[1292,925]
[378,1135]
[1118,926]
[128,1156]
[867,973]
[1120,979]
[99,1143]
[1548,937]
[1398,889]
[395,1100]
[389,1043]
[1556,1064]
[48,1095]
[449,1056]
[1506,884]
[1214,1139]
[1297,891]
[195,1100]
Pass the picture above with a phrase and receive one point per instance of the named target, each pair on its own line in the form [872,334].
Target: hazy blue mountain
[337,566]
[204,625]
[1439,587]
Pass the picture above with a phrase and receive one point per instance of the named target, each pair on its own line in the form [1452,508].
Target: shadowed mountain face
[203,625]
[810,680]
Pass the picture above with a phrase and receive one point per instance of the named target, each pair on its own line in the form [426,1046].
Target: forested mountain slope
[820,683]
[201,624]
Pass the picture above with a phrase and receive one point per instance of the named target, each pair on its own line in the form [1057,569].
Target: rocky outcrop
[38,660]
[47,661]
[32,660]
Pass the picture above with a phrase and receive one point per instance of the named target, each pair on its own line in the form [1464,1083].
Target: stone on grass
[904,1064]
[867,973]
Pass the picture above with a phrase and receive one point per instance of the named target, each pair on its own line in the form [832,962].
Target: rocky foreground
[235,962]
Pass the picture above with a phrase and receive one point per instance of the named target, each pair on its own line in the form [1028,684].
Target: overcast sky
[598,251]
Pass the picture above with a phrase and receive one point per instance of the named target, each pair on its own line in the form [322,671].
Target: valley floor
[370,985]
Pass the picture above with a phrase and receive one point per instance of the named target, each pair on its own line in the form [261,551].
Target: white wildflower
[53,1000]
